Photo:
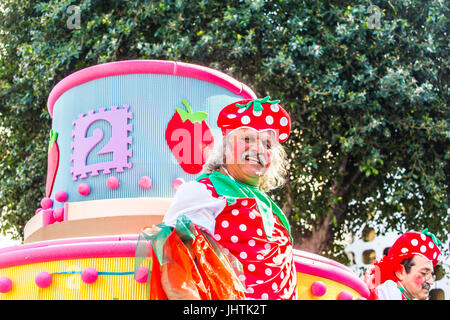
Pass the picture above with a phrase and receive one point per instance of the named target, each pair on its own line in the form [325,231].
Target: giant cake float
[116,157]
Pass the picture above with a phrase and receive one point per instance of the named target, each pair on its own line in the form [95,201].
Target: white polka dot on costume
[245,120]
[423,237]
[274,108]
[250,290]
[264,296]
[284,121]
[243,255]
[217,237]
[259,281]
[251,243]
[225,224]
[257,113]
[244,203]
[423,249]
[282,275]
[231,116]
[259,232]
[269,120]
[235,212]
[234,239]
[242,277]
[434,255]
[414,242]
[267,246]
[252,215]
[404,250]
[243,227]
[251,267]
[241,110]
[274,286]
[268,272]
[259,257]
[283,136]
[431,245]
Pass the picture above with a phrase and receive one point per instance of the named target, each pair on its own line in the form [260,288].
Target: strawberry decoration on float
[265,115]
[52,162]
[189,138]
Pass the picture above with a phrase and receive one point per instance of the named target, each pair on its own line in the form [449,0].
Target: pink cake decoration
[112,182]
[5,284]
[84,189]
[176,183]
[60,196]
[145,182]
[43,279]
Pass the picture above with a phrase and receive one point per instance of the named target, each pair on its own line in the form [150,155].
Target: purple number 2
[117,144]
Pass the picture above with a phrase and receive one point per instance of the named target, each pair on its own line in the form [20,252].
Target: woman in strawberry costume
[228,200]
[407,272]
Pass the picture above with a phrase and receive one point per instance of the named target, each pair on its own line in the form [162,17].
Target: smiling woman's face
[248,155]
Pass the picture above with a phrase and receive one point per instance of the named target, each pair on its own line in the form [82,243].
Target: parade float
[115,161]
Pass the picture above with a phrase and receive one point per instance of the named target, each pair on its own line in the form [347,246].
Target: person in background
[407,272]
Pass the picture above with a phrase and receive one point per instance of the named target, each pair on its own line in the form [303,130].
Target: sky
[5,241]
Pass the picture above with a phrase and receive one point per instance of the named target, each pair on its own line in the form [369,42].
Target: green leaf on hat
[432,236]
[257,103]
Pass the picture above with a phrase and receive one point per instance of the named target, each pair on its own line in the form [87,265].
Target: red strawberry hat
[411,243]
[406,246]
[259,114]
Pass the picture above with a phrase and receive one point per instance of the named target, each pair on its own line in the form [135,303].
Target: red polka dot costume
[243,220]
[269,271]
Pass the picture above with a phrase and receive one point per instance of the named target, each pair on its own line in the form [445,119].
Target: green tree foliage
[367,91]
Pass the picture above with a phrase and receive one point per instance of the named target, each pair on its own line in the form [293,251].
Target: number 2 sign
[82,145]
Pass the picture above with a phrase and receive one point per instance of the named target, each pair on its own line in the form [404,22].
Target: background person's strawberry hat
[406,246]
[259,114]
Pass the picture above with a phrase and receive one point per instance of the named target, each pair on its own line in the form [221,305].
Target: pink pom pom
[84,189]
[58,214]
[344,295]
[5,284]
[46,203]
[47,217]
[43,279]
[318,288]
[177,183]
[112,182]
[145,182]
[141,274]
[60,196]
[89,275]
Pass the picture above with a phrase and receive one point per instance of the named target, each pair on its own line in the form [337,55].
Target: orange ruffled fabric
[195,268]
